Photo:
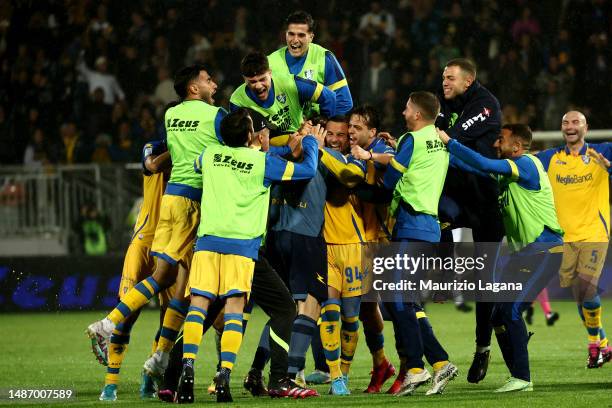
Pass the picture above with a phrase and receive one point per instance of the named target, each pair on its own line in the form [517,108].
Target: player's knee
[593,303]
[351,306]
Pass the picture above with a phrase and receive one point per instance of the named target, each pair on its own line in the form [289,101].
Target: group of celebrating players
[278,202]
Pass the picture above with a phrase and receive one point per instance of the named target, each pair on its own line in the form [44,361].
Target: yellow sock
[192,333]
[592,321]
[136,298]
[348,344]
[603,343]
[439,365]
[173,321]
[116,352]
[231,339]
[330,336]
[154,345]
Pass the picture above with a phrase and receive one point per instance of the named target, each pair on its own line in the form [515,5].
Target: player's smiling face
[260,84]
[573,127]
[505,144]
[337,136]
[455,82]
[298,39]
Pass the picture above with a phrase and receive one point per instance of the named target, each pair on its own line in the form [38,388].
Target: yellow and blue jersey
[343,222]
[581,190]
[375,216]
[153,186]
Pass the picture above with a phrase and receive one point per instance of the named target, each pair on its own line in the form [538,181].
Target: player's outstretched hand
[443,136]
[389,139]
[599,158]
[359,153]
[319,133]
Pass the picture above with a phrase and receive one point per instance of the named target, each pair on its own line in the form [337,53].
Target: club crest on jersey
[560,162]
[586,159]
[309,74]
[282,98]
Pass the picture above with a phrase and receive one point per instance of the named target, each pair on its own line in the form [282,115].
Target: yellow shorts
[176,230]
[213,274]
[583,260]
[138,264]
[345,271]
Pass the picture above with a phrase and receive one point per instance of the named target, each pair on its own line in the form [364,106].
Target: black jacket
[474,119]
[478,120]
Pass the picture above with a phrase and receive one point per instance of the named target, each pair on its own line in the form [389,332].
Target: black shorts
[301,261]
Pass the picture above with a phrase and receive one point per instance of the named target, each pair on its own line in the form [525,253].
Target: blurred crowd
[87,80]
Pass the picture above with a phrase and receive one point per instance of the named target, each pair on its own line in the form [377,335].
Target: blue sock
[301,335]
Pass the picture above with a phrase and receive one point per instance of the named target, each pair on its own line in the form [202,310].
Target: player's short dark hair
[300,17]
[369,115]
[428,104]
[339,119]
[184,76]
[235,128]
[466,65]
[521,131]
[254,63]
[317,119]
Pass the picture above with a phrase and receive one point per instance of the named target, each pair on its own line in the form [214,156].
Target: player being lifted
[237,179]
[308,60]
[583,209]
[279,98]
[138,265]
[190,126]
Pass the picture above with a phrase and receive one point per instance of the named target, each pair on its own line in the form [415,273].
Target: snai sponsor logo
[574,179]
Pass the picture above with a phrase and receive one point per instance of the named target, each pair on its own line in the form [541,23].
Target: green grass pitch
[51,351]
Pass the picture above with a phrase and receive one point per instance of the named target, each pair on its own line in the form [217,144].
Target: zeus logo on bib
[221,160]
[281,119]
[481,117]
[178,124]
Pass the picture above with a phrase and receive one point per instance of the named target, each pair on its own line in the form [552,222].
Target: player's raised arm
[156,157]
[336,81]
[349,172]
[279,169]
[474,159]
[399,163]
[311,91]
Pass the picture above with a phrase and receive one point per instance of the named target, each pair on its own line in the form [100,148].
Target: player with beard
[533,234]
[344,234]
[191,125]
[416,175]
